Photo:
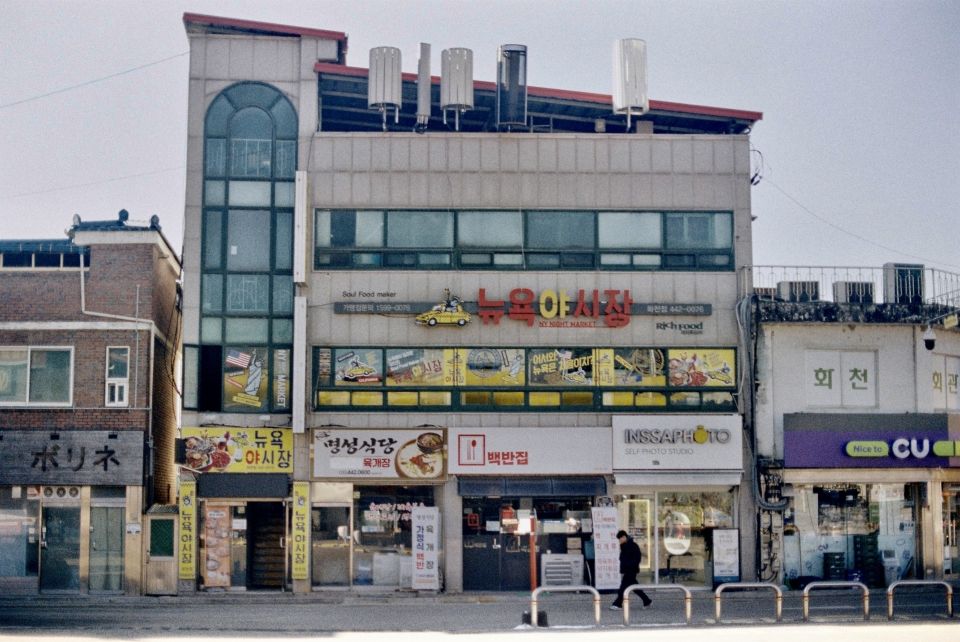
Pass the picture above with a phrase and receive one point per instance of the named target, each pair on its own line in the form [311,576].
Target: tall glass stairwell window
[246,317]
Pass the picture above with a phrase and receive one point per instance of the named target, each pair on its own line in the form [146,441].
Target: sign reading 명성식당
[380,453]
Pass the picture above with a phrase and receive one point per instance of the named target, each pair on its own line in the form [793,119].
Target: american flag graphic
[237,358]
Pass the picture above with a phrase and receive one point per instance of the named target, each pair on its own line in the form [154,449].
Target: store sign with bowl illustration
[418,454]
[232,449]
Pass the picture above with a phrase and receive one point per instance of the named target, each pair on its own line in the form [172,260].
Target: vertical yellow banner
[187,544]
[300,552]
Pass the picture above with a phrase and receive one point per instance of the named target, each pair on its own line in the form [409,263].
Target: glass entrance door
[60,555]
[330,534]
[106,548]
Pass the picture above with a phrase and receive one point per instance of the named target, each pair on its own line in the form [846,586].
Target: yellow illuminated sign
[300,521]
[234,449]
[187,544]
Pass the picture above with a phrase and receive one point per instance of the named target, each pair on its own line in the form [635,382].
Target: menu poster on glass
[638,367]
[726,555]
[606,547]
[562,367]
[216,531]
[420,367]
[492,366]
[425,536]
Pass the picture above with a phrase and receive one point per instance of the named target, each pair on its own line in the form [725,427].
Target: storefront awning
[272,485]
[686,478]
[531,486]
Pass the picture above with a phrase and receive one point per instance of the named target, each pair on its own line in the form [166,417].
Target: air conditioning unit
[765,294]
[798,291]
[860,292]
[903,283]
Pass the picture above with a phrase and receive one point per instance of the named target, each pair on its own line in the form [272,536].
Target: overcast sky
[860,137]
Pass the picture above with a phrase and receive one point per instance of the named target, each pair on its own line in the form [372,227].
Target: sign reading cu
[524,305]
[903,448]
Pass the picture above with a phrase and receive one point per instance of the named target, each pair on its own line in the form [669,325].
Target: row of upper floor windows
[522,239]
[43,260]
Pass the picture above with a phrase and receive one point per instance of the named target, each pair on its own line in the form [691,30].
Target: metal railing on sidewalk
[835,585]
[898,584]
[742,586]
[576,588]
[687,598]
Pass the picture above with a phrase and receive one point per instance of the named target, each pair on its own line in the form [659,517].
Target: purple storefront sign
[870,441]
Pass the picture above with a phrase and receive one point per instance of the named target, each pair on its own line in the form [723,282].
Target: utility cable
[90,82]
[854,234]
[106,180]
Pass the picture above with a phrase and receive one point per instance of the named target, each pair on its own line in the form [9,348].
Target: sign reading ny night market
[547,308]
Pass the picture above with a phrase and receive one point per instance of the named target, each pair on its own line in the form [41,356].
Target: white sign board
[380,453]
[606,548]
[677,442]
[726,555]
[529,451]
[425,533]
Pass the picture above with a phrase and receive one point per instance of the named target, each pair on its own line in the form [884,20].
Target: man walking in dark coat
[629,567]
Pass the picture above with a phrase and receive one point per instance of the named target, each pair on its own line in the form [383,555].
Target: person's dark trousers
[627,581]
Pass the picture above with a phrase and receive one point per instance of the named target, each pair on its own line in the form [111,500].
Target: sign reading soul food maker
[529,451]
[677,442]
[386,453]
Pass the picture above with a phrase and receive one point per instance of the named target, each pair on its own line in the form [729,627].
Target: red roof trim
[217,21]
[564,94]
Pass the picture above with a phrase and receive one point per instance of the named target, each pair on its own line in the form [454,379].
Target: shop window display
[382,553]
[851,532]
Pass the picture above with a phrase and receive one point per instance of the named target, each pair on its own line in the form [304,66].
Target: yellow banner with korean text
[232,449]
[299,532]
[187,542]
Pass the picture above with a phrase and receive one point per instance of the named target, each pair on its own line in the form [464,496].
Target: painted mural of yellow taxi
[442,314]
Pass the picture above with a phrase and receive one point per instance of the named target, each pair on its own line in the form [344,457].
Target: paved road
[746,616]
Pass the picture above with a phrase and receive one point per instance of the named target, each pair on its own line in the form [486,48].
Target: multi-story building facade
[423,352]
[88,404]
[857,423]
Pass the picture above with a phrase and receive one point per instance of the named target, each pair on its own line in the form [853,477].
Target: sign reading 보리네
[677,442]
[97,457]
[529,451]
[238,450]
[384,453]
[187,543]
[425,534]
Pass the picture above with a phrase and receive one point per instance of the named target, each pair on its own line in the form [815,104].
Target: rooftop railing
[894,283]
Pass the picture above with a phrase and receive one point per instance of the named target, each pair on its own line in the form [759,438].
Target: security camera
[929,338]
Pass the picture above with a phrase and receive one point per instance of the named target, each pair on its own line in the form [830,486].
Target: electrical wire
[92,81]
[854,234]
[91,184]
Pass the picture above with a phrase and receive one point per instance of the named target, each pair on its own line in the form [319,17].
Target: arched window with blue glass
[246,320]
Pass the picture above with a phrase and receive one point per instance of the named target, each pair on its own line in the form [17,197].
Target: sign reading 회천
[425,535]
[606,548]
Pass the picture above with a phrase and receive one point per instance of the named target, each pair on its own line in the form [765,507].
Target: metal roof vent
[630,78]
[511,86]
[456,83]
[384,82]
